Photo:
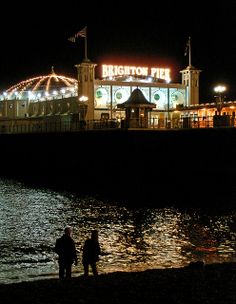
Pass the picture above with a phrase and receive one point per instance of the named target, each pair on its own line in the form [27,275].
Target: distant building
[40,96]
[104,95]
[56,98]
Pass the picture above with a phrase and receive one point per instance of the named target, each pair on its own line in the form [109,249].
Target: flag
[187,47]
[82,33]
[72,39]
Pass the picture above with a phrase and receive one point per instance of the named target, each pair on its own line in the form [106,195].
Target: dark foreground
[204,284]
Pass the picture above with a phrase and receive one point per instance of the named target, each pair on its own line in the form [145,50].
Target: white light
[83,98]
[219,89]
[168,80]
[31,95]
[54,92]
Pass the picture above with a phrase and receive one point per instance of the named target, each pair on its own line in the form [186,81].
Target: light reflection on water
[132,239]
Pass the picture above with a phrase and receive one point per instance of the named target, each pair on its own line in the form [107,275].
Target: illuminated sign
[121,70]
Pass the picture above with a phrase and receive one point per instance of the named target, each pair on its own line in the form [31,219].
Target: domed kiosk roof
[136,99]
[43,86]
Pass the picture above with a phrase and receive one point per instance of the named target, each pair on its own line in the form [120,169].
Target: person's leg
[94,269]
[61,270]
[86,269]
[68,271]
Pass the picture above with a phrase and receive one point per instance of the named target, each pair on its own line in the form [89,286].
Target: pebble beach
[213,283]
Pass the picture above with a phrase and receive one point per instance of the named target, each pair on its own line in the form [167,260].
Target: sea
[131,238]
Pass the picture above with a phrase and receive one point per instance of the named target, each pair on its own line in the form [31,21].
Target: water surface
[132,239]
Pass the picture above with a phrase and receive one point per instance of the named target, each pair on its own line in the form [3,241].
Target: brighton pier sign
[121,70]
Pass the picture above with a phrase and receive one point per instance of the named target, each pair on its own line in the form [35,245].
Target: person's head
[94,235]
[68,230]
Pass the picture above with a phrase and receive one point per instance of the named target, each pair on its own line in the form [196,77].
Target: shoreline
[196,283]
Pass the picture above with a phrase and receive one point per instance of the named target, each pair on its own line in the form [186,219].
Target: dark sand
[207,284]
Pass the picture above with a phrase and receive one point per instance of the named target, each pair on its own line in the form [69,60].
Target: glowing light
[83,98]
[219,89]
[120,70]
[31,95]
[42,85]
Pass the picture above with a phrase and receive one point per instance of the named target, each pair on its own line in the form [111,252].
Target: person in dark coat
[65,248]
[91,252]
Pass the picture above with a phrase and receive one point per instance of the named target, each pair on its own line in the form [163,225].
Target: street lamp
[219,98]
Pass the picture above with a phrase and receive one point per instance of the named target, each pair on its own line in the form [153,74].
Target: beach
[213,283]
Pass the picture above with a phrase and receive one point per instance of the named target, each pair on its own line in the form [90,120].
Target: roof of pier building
[41,87]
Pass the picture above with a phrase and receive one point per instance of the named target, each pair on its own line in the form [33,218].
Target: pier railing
[40,125]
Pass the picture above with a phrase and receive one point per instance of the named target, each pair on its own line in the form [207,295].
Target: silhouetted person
[65,248]
[91,252]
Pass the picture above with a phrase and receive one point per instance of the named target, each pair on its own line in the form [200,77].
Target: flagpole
[85,45]
[189,51]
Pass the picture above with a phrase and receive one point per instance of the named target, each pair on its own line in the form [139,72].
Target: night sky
[34,37]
